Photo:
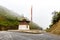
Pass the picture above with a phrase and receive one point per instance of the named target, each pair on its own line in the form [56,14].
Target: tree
[55,18]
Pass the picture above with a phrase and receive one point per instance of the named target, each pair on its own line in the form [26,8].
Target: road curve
[5,35]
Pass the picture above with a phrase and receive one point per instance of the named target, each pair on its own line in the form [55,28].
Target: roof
[24,20]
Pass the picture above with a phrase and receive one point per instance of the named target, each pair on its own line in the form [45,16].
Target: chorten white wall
[23,27]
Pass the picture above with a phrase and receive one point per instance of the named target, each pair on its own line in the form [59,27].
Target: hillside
[9,19]
[8,13]
[55,29]
[55,25]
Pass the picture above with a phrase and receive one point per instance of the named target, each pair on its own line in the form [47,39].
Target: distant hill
[9,14]
[35,26]
[10,19]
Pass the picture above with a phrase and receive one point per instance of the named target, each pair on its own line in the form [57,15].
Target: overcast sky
[42,9]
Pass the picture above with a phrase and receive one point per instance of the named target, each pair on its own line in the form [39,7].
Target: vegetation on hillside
[10,20]
[55,25]
[34,26]
[55,18]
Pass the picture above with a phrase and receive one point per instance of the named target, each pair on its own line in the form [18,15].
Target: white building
[24,25]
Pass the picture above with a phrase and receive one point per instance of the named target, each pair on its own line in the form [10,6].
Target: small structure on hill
[24,25]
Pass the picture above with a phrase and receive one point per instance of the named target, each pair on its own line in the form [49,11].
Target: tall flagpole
[31,14]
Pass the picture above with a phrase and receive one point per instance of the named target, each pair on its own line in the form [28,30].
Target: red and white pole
[31,14]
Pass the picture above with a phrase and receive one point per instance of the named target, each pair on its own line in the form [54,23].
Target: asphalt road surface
[5,35]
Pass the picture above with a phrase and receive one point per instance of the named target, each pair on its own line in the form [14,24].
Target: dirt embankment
[55,29]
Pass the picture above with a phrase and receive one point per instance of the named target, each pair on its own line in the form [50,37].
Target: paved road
[4,35]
